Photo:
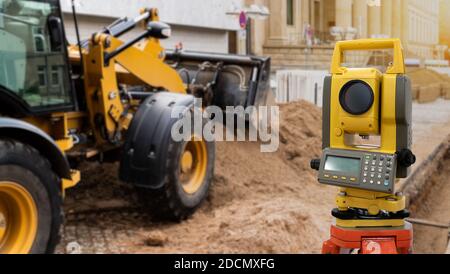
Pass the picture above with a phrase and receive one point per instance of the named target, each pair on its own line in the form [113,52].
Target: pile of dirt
[428,85]
[300,134]
[259,202]
[423,76]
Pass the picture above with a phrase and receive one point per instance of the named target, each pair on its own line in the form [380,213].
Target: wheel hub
[18,219]
[187,162]
[193,165]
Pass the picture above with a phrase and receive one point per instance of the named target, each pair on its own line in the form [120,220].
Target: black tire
[171,202]
[25,166]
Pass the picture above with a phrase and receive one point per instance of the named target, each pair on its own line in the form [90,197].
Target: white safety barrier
[436,63]
[442,70]
[295,85]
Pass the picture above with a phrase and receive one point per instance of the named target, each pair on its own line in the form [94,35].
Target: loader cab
[34,70]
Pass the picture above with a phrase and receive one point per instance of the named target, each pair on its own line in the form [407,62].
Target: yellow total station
[366,136]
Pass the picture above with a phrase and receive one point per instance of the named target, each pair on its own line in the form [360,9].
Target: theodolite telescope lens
[356,97]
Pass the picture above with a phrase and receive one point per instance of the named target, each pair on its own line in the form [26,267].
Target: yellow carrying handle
[398,66]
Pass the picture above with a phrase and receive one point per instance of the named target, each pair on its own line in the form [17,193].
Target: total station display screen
[343,164]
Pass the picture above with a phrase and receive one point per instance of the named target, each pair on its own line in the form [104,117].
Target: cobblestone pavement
[102,233]
[99,214]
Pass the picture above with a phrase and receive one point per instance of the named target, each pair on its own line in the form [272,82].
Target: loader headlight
[356,97]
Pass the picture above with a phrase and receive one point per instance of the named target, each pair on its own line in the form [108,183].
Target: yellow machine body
[344,122]
[387,123]
[140,64]
[381,119]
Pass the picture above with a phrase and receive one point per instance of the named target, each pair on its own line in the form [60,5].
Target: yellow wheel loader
[103,99]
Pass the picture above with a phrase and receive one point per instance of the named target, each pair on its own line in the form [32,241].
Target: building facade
[444,28]
[317,24]
[200,25]
[307,28]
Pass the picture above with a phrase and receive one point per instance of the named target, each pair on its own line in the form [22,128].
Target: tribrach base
[380,240]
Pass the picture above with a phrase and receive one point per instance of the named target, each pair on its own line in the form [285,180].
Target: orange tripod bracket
[370,240]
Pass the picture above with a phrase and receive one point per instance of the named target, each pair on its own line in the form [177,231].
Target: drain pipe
[428,223]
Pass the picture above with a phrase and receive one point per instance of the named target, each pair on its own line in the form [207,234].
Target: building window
[56,76]
[42,76]
[290,12]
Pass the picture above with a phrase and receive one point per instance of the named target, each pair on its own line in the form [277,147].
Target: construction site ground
[259,202]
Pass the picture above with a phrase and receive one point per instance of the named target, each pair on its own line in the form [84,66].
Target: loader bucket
[234,80]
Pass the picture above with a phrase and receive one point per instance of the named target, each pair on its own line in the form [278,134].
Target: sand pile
[428,85]
[259,202]
[300,134]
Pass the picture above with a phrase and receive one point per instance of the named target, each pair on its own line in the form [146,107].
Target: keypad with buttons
[377,171]
[381,173]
